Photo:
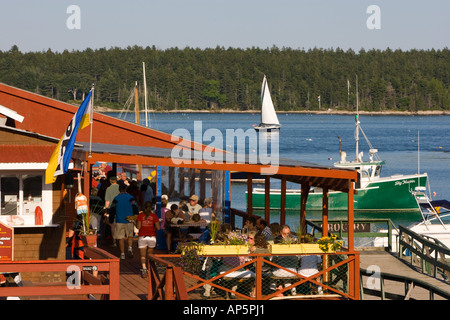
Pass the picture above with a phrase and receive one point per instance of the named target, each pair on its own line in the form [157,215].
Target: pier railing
[97,274]
[410,284]
[428,255]
[258,277]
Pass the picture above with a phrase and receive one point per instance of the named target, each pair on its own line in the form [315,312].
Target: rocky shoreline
[329,111]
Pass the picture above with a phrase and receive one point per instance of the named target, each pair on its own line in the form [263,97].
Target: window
[9,195]
[20,194]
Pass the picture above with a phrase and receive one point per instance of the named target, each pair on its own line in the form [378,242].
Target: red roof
[25,153]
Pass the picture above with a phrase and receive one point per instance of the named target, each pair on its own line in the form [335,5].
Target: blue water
[313,138]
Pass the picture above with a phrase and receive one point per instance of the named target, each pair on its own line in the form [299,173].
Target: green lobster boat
[382,194]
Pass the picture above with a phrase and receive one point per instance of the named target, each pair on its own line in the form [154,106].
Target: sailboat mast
[357,122]
[145,95]
[136,103]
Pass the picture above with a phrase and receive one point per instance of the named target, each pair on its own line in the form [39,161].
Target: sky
[39,25]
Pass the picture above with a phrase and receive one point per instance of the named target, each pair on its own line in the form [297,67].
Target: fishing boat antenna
[418,158]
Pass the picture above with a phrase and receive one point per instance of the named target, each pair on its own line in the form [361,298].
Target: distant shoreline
[330,112]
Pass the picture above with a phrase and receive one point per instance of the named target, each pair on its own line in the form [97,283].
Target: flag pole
[91,120]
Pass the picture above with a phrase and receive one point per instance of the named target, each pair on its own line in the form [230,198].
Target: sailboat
[269,119]
[134,95]
[373,192]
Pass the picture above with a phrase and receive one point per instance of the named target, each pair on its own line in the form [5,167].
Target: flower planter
[89,240]
[299,248]
[223,250]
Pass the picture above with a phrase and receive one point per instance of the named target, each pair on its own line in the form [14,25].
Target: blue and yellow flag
[60,159]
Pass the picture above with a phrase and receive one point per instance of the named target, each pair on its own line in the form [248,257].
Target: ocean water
[314,138]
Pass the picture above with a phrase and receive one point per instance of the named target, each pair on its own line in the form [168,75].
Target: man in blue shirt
[123,203]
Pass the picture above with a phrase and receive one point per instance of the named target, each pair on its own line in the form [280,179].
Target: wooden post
[249,194]
[283,202]
[325,212]
[303,199]
[114,280]
[181,181]
[350,218]
[354,281]
[171,182]
[191,182]
[325,257]
[168,288]
[267,198]
[202,184]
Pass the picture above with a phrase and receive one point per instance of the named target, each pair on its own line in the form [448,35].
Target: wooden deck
[390,263]
[132,285]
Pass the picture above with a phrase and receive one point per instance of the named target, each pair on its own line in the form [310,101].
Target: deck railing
[409,285]
[424,253]
[254,279]
[98,274]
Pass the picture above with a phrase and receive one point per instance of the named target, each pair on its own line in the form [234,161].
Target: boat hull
[391,194]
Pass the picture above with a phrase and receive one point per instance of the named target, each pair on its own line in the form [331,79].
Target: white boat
[434,226]
[269,119]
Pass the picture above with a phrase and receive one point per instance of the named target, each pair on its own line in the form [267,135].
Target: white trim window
[21,193]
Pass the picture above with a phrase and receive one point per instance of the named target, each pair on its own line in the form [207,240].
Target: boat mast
[145,95]
[136,103]
[357,122]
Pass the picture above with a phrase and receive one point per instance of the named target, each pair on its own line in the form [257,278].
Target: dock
[390,263]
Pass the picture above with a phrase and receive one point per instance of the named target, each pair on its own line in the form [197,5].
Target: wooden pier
[385,262]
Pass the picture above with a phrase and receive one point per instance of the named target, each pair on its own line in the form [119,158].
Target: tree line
[230,78]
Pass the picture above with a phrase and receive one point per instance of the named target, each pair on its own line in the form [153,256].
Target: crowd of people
[122,209]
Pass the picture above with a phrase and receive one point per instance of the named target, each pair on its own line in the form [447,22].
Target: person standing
[123,179]
[124,229]
[111,192]
[147,224]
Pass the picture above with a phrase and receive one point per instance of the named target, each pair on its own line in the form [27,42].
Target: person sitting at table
[172,216]
[206,212]
[193,206]
[250,224]
[194,232]
[289,263]
[182,207]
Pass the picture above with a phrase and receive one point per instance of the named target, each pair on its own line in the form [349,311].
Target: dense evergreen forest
[221,78]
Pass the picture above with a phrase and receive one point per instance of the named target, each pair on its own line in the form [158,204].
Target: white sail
[268,115]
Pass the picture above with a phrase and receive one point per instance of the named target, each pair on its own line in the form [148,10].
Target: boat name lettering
[400,183]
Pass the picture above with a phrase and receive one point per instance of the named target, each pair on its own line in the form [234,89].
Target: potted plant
[233,244]
[88,235]
[213,230]
[293,245]
[329,244]
[190,260]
